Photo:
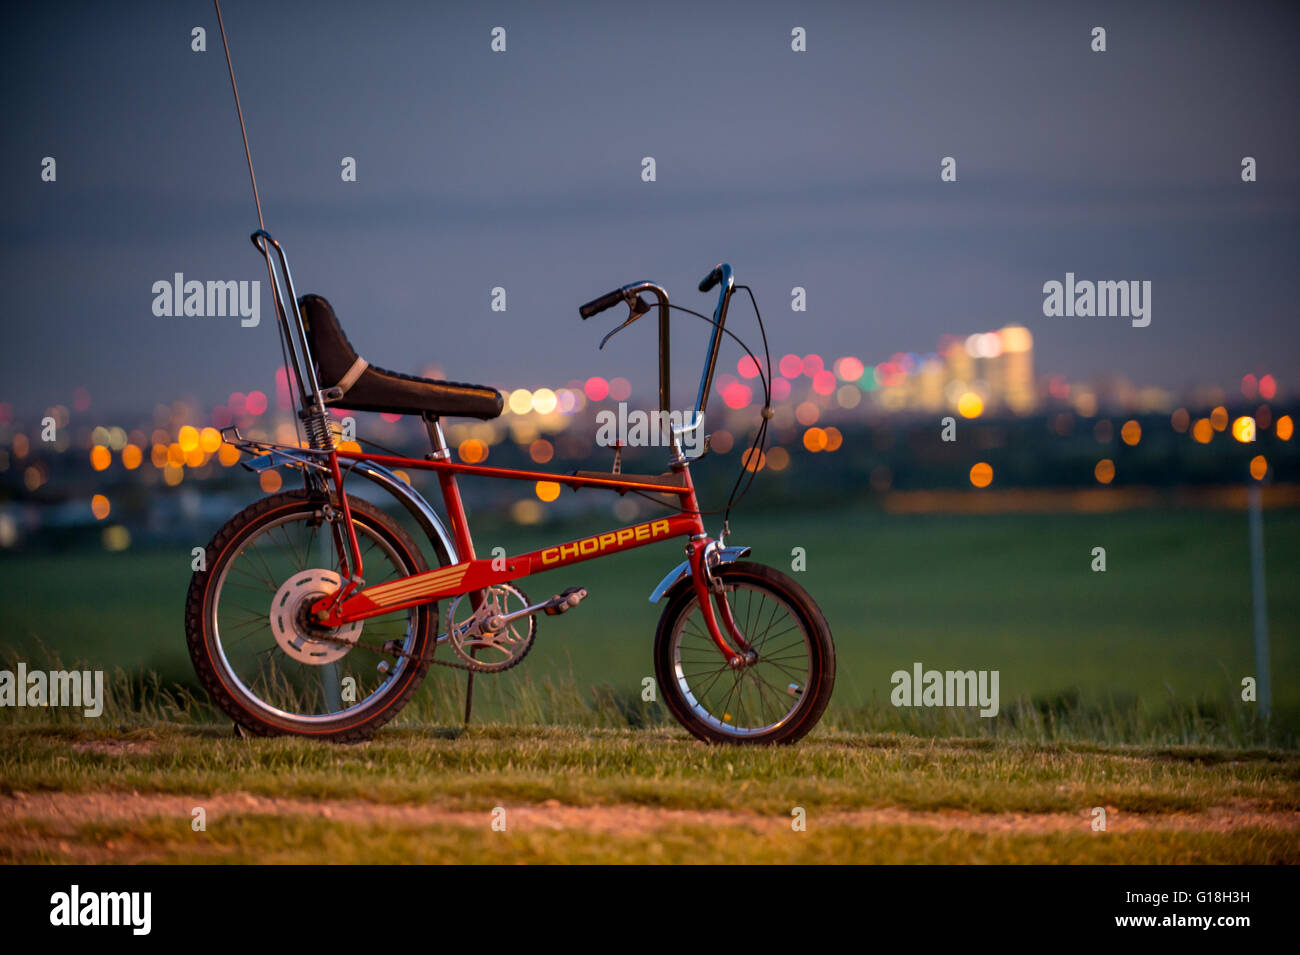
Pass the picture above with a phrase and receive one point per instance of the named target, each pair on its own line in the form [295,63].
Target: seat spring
[319,434]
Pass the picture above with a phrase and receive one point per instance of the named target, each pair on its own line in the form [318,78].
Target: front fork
[710,594]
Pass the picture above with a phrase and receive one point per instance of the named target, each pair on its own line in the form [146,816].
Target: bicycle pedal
[566,601]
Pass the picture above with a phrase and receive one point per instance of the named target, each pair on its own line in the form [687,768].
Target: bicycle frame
[323,464]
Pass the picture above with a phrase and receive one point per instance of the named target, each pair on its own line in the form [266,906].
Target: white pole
[1259,599]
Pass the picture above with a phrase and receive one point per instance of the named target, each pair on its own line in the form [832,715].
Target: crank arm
[557,604]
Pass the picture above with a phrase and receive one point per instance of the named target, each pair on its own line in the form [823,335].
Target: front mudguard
[723,555]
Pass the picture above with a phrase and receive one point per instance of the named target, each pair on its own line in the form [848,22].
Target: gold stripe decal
[400,591]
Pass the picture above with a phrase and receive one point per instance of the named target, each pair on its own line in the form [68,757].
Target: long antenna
[240,110]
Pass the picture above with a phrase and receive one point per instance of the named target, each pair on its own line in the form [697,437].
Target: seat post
[438,442]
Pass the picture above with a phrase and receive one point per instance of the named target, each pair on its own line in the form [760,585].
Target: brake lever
[636,309]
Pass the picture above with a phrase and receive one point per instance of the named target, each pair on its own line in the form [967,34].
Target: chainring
[485,651]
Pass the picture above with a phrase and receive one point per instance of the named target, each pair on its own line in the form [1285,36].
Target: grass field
[1120,692]
[1153,647]
[567,795]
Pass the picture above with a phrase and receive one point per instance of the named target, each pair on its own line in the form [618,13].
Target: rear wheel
[258,653]
[776,698]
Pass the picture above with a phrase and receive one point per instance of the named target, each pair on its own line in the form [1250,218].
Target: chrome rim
[760,697]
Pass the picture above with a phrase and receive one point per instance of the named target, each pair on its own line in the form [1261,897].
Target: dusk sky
[522,169]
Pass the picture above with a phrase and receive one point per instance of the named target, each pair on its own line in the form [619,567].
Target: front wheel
[777,697]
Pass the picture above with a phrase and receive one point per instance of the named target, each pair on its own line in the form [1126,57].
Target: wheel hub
[297,634]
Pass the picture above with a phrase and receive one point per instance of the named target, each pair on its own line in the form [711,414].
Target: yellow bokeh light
[100,457]
[814,439]
[188,438]
[1016,338]
[270,481]
[1258,467]
[116,537]
[173,474]
[1243,429]
[472,451]
[132,457]
[544,401]
[548,490]
[158,455]
[526,511]
[521,401]
[195,458]
[1202,431]
[228,455]
[100,507]
[209,440]
[981,474]
[1284,428]
[1131,433]
[1104,471]
[1219,418]
[970,405]
[352,446]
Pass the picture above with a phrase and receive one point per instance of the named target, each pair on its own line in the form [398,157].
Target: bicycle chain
[429,659]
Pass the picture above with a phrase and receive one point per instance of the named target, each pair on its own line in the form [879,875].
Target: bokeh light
[1131,432]
[970,405]
[544,401]
[100,457]
[1243,429]
[520,401]
[596,389]
[981,474]
[1104,471]
[541,451]
[472,451]
[1258,467]
[100,507]
[547,490]
[1202,431]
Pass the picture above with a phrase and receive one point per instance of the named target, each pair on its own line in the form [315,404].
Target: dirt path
[65,811]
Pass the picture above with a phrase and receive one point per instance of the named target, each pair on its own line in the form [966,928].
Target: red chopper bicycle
[317,614]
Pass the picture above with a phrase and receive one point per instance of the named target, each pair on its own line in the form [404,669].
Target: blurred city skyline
[522,170]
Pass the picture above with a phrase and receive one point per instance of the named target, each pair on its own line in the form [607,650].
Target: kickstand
[469,687]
